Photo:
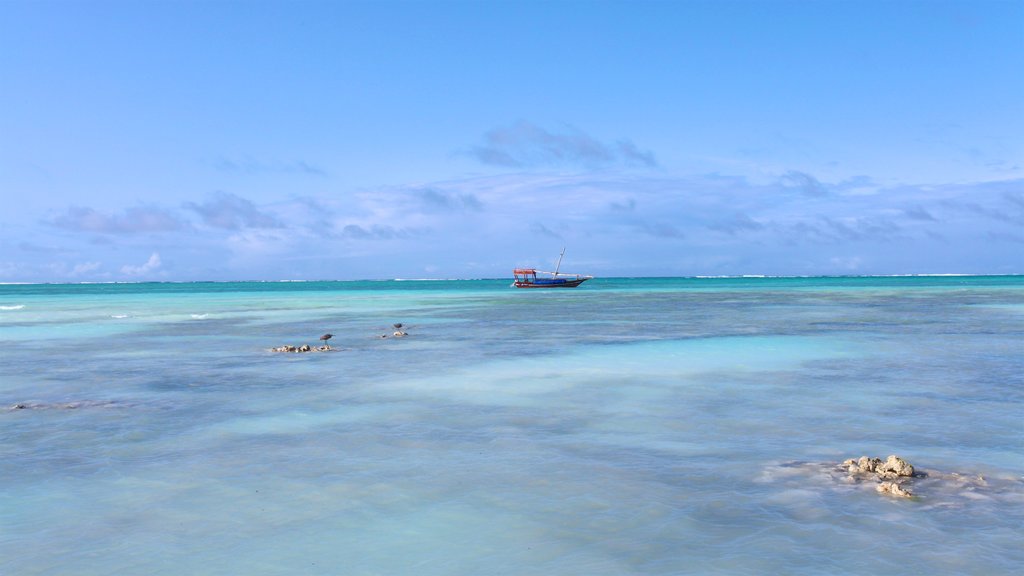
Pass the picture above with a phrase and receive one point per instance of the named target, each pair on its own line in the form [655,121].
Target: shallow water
[662,426]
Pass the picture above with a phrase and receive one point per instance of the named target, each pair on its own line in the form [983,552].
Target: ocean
[632,426]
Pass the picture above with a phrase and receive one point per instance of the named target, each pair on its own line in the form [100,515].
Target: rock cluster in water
[892,473]
[398,333]
[893,489]
[303,348]
[930,488]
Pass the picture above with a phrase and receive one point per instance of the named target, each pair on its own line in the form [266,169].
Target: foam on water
[690,428]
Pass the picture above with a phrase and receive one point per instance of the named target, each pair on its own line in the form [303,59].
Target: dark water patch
[73,405]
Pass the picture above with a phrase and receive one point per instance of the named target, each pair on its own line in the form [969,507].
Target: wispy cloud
[847,264]
[374,232]
[856,183]
[49,249]
[526,145]
[232,212]
[858,229]
[433,199]
[42,270]
[636,223]
[627,206]
[662,229]
[538,228]
[84,269]
[736,223]
[1015,198]
[150,266]
[137,220]
[250,165]
[1006,237]
[991,211]
[919,213]
[804,183]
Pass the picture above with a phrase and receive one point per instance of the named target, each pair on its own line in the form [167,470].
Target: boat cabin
[527,278]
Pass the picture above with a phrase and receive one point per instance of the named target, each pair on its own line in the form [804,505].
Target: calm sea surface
[630,426]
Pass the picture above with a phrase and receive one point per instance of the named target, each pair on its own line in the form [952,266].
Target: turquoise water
[630,426]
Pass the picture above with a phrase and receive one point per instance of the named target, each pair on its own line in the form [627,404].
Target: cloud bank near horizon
[615,223]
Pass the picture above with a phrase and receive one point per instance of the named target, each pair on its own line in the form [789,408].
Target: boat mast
[557,266]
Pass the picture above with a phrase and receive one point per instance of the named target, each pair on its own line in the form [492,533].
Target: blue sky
[345,140]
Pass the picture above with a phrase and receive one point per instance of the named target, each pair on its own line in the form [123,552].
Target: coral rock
[894,467]
[893,489]
[862,465]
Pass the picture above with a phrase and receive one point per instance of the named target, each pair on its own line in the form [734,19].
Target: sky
[300,140]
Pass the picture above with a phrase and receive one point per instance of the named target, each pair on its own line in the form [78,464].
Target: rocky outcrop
[926,487]
[303,348]
[892,473]
[892,467]
[893,489]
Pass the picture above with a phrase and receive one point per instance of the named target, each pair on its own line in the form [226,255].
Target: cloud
[834,229]
[435,200]
[49,249]
[633,155]
[804,183]
[856,182]
[249,165]
[137,220]
[919,213]
[1015,198]
[611,223]
[538,228]
[870,228]
[627,206]
[41,271]
[705,209]
[997,213]
[84,268]
[232,212]
[1006,237]
[996,202]
[149,267]
[737,223]
[848,264]
[526,145]
[11,270]
[375,232]
[661,230]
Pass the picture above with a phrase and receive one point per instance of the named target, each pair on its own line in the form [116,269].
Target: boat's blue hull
[551,283]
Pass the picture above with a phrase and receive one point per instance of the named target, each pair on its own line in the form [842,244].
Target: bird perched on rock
[326,337]
[397,326]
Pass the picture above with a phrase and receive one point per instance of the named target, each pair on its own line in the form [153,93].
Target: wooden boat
[527,277]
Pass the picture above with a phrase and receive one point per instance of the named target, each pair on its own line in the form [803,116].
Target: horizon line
[693,277]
